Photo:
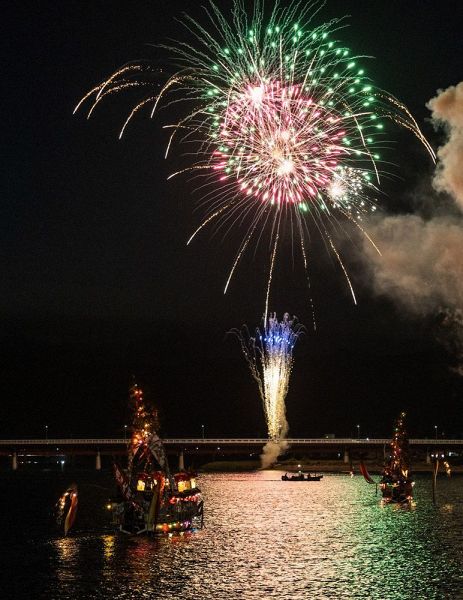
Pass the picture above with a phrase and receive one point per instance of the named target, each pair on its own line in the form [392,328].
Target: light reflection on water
[265,538]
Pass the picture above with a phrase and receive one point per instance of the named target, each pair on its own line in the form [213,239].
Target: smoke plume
[421,269]
[421,261]
[275,447]
[271,451]
[447,111]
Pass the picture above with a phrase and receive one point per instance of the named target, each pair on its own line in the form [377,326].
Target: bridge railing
[224,441]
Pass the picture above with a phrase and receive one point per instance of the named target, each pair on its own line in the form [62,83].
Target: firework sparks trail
[283,122]
[270,358]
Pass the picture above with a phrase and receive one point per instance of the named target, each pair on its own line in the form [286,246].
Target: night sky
[98,283]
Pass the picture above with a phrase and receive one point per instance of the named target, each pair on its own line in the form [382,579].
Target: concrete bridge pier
[346,456]
[428,457]
[14,461]
[181,461]
[98,461]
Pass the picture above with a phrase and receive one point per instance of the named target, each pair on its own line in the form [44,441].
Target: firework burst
[283,122]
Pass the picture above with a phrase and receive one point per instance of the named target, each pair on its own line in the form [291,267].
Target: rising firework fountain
[270,357]
[151,498]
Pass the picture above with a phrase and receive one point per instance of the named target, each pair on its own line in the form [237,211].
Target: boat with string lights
[396,483]
[151,499]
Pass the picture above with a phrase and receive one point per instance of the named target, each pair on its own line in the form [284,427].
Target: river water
[264,538]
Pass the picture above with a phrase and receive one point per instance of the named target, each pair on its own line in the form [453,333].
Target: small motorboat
[300,476]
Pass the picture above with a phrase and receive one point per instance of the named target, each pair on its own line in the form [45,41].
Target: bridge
[62,447]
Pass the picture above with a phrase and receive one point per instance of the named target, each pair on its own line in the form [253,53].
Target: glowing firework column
[270,358]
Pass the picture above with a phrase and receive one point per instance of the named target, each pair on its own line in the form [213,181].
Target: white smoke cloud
[421,261]
[271,451]
[274,448]
[447,111]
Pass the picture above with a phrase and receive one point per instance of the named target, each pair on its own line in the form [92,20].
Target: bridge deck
[60,442]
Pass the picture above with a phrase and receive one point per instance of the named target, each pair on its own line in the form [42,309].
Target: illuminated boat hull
[399,493]
[150,507]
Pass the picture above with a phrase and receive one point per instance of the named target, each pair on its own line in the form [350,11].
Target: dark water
[264,539]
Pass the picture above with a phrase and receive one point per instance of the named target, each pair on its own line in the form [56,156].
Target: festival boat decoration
[151,498]
[396,483]
[66,508]
[366,475]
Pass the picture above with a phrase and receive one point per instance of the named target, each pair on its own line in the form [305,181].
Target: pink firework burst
[279,144]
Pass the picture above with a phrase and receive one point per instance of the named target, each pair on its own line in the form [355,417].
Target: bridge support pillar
[428,457]
[98,461]
[181,461]
[346,456]
[14,461]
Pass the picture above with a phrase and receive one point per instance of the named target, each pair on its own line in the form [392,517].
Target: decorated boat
[151,499]
[396,483]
